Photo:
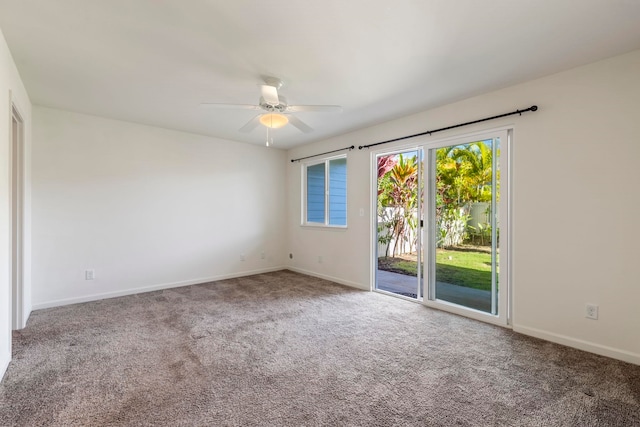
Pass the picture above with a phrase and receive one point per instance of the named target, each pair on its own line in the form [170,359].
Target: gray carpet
[287,349]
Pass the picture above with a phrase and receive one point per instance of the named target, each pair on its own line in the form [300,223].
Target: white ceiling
[154,62]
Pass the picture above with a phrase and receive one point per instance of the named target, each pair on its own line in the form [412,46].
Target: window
[325,192]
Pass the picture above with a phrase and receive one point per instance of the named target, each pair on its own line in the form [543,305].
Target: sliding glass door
[463,186]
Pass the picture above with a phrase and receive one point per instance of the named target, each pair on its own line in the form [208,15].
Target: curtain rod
[429,132]
[322,154]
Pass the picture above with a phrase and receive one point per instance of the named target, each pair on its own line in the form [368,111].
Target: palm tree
[464,176]
[476,166]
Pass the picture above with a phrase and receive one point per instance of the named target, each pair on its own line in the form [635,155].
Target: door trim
[17,214]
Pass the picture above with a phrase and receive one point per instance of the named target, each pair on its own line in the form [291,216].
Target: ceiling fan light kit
[274,120]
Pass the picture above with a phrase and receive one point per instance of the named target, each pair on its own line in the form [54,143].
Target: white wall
[147,208]
[12,91]
[575,204]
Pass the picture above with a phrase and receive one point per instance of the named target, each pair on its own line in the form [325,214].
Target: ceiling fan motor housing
[280,108]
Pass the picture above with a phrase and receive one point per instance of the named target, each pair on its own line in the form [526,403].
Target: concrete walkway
[407,285]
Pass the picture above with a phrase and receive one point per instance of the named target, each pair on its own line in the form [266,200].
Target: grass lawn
[467,268]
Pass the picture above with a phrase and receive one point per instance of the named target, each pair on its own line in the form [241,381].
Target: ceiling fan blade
[316,108]
[270,94]
[299,124]
[251,124]
[230,106]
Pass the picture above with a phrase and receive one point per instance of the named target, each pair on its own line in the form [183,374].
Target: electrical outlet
[320,259]
[89,274]
[241,257]
[592,312]
[263,255]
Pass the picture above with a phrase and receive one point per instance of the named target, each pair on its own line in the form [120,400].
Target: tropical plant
[476,168]
[384,237]
[464,176]
[452,224]
[464,172]
[397,200]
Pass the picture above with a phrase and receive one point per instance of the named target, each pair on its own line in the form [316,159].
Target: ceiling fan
[275,112]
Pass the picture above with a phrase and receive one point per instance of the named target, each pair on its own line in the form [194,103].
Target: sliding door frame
[420,291]
[503,318]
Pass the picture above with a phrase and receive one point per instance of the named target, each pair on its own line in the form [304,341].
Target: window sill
[325,227]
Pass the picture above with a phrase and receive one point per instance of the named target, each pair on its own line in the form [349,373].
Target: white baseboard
[26,314]
[143,289]
[330,278]
[4,364]
[603,350]
[25,317]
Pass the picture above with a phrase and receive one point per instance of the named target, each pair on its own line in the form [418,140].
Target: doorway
[17,222]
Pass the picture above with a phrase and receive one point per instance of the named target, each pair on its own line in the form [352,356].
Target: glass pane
[466,249]
[315,193]
[338,191]
[398,225]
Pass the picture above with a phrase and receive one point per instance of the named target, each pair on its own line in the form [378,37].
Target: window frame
[327,169]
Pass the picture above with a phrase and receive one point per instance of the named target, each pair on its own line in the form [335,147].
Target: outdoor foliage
[464,173]
[463,186]
[397,201]
[463,176]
